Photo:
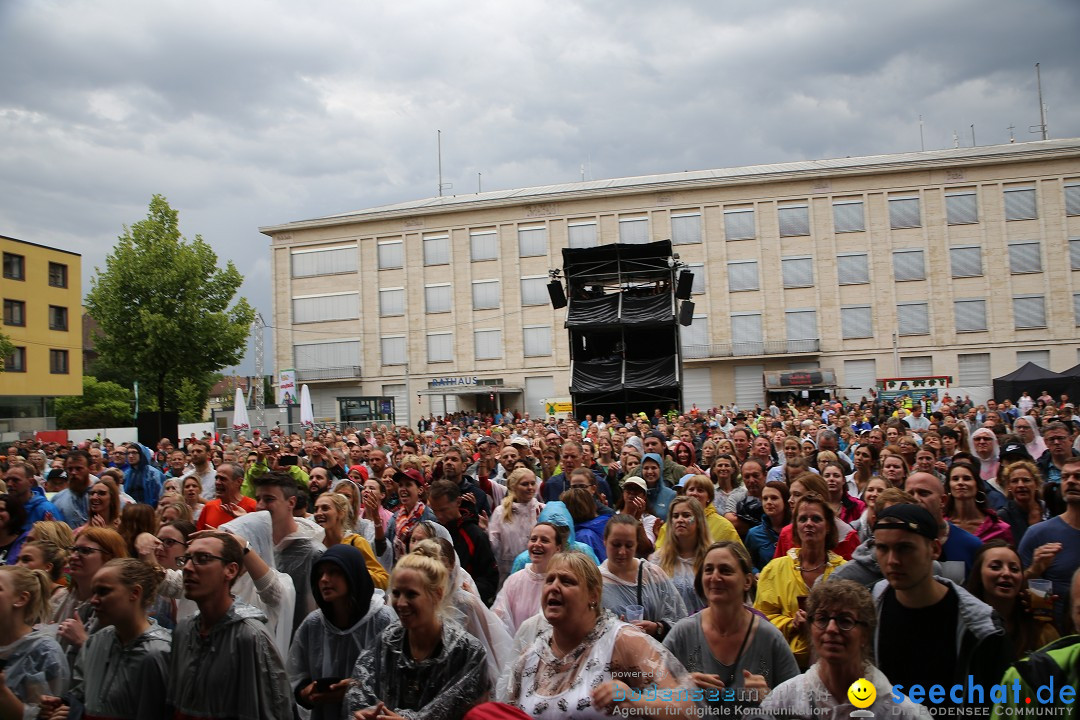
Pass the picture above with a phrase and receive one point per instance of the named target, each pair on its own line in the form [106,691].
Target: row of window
[15,269]
[1025,257]
[973,369]
[16,361]
[743,275]
[857,321]
[15,315]
[849,215]
[487,345]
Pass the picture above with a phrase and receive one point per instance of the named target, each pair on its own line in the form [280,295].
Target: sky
[251,113]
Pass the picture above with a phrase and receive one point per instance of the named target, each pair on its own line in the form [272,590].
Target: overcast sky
[257,112]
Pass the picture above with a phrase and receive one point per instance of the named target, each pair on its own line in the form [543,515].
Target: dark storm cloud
[254,113]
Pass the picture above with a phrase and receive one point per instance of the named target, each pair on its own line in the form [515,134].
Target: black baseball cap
[905,516]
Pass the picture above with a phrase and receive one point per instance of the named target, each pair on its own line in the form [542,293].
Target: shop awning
[794,380]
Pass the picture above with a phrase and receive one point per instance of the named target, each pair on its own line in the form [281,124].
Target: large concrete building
[42,292]
[951,262]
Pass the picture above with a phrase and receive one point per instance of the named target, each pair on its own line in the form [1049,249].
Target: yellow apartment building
[42,292]
[962,262]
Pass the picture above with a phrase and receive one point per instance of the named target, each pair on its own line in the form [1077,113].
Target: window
[961,208]
[1074,253]
[908,265]
[904,213]
[391,254]
[484,245]
[14,267]
[58,275]
[966,261]
[686,228]
[334,354]
[532,241]
[582,234]
[1020,203]
[1038,357]
[742,275]
[699,277]
[856,321]
[537,340]
[1029,311]
[58,362]
[746,335]
[1025,257]
[917,366]
[739,224]
[534,290]
[437,250]
[391,302]
[801,324]
[322,308]
[634,231]
[913,318]
[393,349]
[848,216]
[58,317]
[312,262]
[970,315]
[15,313]
[695,334]
[16,361]
[440,347]
[485,294]
[438,298]
[488,344]
[797,271]
[1072,199]
[794,220]
[1076,308]
[852,269]
[974,370]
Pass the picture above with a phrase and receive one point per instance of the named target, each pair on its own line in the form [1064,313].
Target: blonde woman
[513,520]
[34,664]
[685,548]
[333,513]
[421,662]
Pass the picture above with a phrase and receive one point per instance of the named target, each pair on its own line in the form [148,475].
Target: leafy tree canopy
[102,405]
[6,349]
[165,311]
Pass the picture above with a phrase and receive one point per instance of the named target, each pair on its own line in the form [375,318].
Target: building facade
[42,293]
[953,262]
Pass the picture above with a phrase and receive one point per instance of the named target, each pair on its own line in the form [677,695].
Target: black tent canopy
[1035,379]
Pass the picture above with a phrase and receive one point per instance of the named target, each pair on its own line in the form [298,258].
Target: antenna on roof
[442,185]
[972,134]
[955,139]
[922,142]
[1041,127]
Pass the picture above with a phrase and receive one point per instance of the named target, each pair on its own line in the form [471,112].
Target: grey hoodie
[863,567]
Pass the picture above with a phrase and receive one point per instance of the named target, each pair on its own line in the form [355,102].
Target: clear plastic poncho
[274,594]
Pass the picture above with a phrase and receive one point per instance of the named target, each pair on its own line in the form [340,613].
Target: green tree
[165,311]
[102,404]
[6,349]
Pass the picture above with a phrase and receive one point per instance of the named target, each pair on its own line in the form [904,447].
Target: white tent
[240,421]
[307,413]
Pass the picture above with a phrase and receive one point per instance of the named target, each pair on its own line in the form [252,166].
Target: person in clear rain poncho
[351,615]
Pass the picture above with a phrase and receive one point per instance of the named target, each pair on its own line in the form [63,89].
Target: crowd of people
[755,561]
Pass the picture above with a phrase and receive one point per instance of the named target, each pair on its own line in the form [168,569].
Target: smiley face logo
[862,693]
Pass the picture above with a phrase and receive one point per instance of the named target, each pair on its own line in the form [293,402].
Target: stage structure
[623,322]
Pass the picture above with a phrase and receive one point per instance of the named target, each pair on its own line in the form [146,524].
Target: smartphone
[323,684]
[287,460]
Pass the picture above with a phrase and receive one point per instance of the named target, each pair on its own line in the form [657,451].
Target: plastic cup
[633,613]
[1041,605]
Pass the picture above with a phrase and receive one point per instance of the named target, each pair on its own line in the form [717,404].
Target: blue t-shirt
[1065,562]
[960,547]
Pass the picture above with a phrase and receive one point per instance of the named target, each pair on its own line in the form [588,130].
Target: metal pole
[895,355]
[922,142]
[1042,108]
[972,134]
[408,405]
[440,160]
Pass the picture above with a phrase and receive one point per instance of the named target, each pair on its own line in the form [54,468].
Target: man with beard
[73,501]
